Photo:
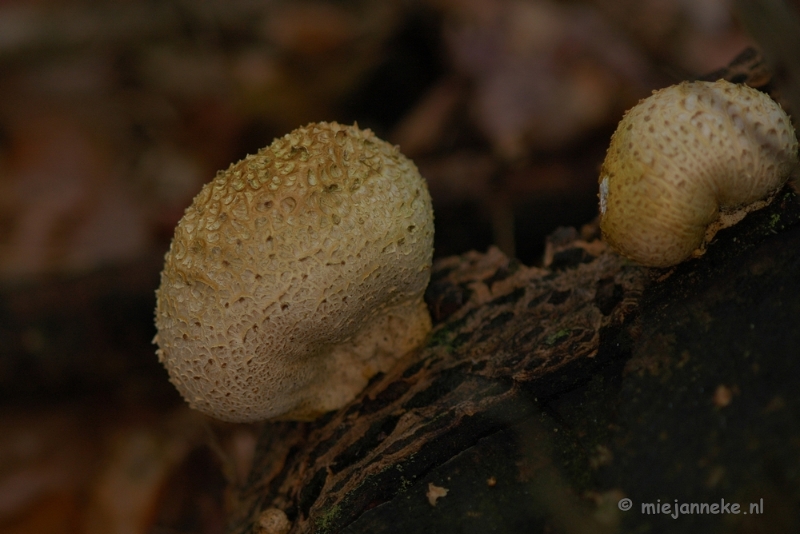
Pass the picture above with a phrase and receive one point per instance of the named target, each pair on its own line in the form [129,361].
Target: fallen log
[548,399]
[546,395]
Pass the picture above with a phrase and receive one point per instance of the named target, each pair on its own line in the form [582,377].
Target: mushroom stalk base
[375,349]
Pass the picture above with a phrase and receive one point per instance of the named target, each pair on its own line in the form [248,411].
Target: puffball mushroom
[296,275]
[687,161]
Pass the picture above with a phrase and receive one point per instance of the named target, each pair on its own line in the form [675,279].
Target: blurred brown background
[113,114]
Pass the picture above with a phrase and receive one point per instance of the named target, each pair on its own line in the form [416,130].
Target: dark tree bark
[546,395]
[507,337]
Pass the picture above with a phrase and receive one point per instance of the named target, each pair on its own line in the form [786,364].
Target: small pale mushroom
[687,161]
[296,275]
[273,521]
[435,493]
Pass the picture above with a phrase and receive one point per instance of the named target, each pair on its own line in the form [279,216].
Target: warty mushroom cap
[688,160]
[296,275]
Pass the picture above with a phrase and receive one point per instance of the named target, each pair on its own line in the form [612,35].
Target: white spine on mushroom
[603,194]
[687,161]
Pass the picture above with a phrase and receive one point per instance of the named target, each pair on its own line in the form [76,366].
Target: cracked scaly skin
[296,275]
[684,155]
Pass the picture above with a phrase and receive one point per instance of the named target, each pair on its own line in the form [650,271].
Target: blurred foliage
[113,115]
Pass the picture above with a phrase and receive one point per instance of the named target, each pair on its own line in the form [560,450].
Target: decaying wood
[571,371]
[515,344]
[504,332]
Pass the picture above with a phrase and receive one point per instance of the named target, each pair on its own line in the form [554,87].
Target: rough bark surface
[546,395]
[507,336]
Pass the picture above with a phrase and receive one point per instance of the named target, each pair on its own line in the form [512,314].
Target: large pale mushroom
[296,275]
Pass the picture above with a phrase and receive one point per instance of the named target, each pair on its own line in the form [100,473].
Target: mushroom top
[688,156]
[296,275]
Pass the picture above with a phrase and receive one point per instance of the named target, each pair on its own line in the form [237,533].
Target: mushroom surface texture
[296,275]
[687,161]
